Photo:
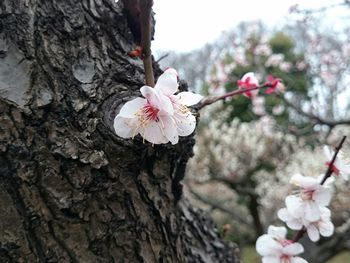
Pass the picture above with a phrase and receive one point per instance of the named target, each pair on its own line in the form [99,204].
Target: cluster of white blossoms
[161,116]
[306,210]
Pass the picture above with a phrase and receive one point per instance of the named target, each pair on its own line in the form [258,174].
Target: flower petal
[293,249]
[298,260]
[328,153]
[312,232]
[157,99]
[326,228]
[322,196]
[277,231]
[294,206]
[271,259]
[131,107]
[167,82]
[305,182]
[266,245]
[153,133]
[283,214]
[189,98]
[186,123]
[311,211]
[169,128]
[124,127]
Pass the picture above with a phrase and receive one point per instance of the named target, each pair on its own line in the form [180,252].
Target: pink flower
[150,117]
[306,204]
[273,84]
[323,226]
[249,81]
[185,122]
[275,248]
[339,167]
[160,117]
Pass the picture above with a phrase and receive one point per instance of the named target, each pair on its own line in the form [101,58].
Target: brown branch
[211,100]
[146,29]
[330,165]
[316,119]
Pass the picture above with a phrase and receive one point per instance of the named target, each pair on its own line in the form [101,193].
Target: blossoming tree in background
[272,136]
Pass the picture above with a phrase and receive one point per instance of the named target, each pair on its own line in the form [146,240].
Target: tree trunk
[70,189]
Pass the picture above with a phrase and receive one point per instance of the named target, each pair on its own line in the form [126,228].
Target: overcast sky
[184,25]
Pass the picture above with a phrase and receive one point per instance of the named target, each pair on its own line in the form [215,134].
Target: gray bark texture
[70,189]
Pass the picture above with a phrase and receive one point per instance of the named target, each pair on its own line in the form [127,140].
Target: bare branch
[316,119]
[211,100]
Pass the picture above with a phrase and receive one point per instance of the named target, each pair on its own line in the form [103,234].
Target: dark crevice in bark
[12,185]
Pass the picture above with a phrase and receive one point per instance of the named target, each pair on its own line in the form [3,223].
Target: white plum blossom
[259,105]
[323,226]
[274,60]
[278,109]
[184,120]
[249,80]
[306,204]
[285,66]
[275,248]
[339,167]
[160,116]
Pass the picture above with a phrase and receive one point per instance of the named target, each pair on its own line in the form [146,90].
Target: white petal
[283,214]
[189,98]
[312,211]
[294,223]
[125,128]
[294,206]
[186,123]
[266,245]
[328,153]
[293,249]
[298,260]
[326,228]
[252,78]
[271,259]
[157,99]
[153,133]
[131,107]
[305,182]
[169,128]
[322,196]
[312,232]
[167,82]
[277,231]
[325,212]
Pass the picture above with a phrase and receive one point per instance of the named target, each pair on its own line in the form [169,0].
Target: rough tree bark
[70,189]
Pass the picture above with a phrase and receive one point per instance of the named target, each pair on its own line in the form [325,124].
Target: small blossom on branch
[160,116]
[274,247]
[273,84]
[248,85]
[322,226]
[339,167]
[248,81]
[307,202]
[305,211]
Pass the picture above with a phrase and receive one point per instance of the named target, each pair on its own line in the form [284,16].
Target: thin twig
[212,100]
[330,169]
[328,173]
[146,29]
[316,119]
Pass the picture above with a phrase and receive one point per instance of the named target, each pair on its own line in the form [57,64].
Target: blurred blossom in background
[248,149]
